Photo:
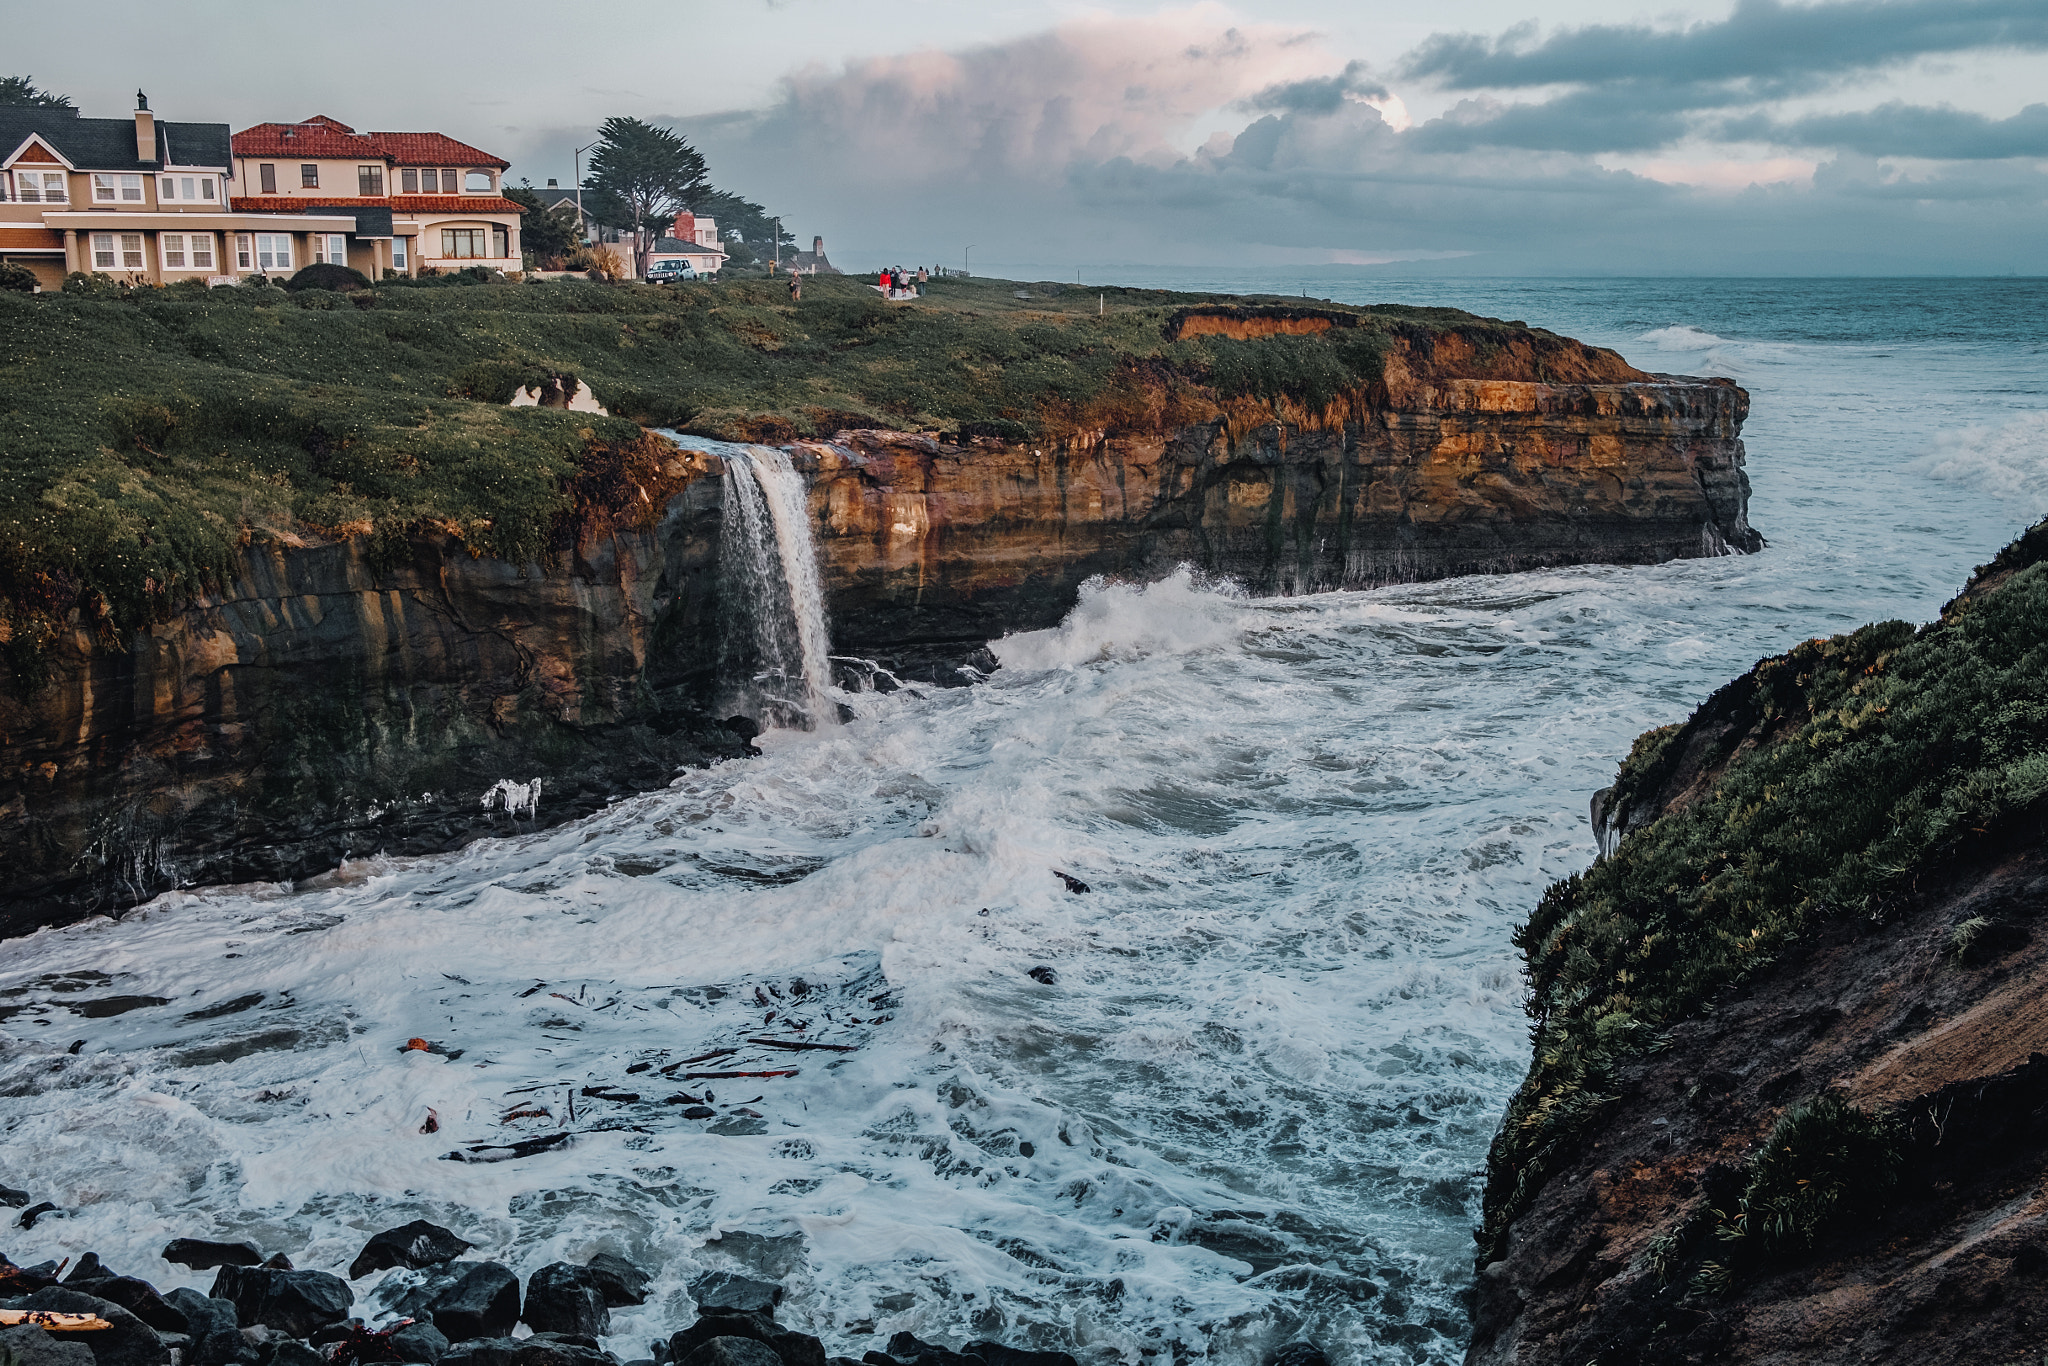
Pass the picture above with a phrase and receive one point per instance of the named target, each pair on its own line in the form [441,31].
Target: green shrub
[94,286]
[1825,1164]
[19,279]
[329,275]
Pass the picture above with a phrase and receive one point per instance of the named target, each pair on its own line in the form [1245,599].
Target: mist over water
[1252,1101]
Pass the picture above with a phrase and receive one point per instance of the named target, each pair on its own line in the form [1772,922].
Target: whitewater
[1164,974]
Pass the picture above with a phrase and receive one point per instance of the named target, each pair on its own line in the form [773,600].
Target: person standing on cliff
[796,288]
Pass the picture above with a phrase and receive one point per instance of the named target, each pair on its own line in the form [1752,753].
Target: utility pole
[778,246]
[963,256]
[582,224]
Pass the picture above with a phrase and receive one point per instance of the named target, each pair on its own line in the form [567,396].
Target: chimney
[552,185]
[145,129]
[686,227]
[818,246]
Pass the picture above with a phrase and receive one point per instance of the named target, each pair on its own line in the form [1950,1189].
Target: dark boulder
[13,1198]
[214,1328]
[467,1300]
[995,1354]
[722,1292]
[138,1298]
[201,1255]
[618,1280]
[335,1332]
[420,1342]
[35,1212]
[731,1352]
[87,1268]
[481,1352]
[295,1303]
[795,1349]
[130,1342]
[283,1351]
[562,1349]
[417,1244]
[561,1298]
[27,1345]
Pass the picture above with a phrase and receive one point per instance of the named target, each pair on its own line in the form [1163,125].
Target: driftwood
[51,1322]
[721,1076]
[799,1046]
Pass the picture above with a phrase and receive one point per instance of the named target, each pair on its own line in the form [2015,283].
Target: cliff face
[344,698]
[1837,1156]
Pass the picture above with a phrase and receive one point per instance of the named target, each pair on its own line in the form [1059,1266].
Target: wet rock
[202,1255]
[277,1261]
[35,1212]
[722,1292]
[295,1303]
[130,1342]
[1297,1354]
[562,1349]
[795,1349]
[1043,973]
[771,1256]
[466,1300]
[106,1007]
[13,1198]
[699,1112]
[421,1342]
[139,1298]
[27,1345]
[618,1280]
[283,1351]
[561,1298]
[87,1268]
[481,1352]
[731,1352]
[335,1332]
[416,1245]
[213,1326]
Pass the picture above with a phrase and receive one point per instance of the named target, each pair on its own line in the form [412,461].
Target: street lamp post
[778,244]
[963,256]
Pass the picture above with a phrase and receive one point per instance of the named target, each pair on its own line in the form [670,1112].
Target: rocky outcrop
[1837,1158]
[347,697]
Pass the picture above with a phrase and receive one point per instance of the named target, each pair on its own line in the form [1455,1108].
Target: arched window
[477,182]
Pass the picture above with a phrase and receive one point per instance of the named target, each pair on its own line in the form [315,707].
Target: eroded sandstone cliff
[341,697]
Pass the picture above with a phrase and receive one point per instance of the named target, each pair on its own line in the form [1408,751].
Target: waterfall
[774,603]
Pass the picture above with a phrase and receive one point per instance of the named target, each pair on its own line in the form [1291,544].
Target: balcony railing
[10,195]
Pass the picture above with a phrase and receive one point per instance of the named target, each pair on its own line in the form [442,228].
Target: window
[398,253]
[40,187]
[186,251]
[117,251]
[430,181]
[463,243]
[273,251]
[185,187]
[370,181]
[501,242]
[245,258]
[409,181]
[268,173]
[108,188]
[331,248]
[449,184]
[477,182]
[309,177]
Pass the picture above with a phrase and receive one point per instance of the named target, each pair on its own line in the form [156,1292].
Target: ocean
[1237,1091]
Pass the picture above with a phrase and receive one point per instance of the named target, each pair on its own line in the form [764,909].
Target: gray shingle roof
[676,246]
[109,144]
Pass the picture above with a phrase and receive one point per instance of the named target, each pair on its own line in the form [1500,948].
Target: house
[691,239]
[554,198]
[418,201]
[144,200]
[810,262]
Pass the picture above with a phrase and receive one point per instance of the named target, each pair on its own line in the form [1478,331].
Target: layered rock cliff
[1790,1097]
[344,696]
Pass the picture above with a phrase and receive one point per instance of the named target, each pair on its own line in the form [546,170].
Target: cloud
[1897,129]
[1763,41]
[1099,142]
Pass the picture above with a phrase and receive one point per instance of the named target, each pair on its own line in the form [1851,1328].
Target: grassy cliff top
[146,435]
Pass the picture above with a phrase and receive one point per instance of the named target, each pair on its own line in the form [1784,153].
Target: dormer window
[40,187]
[109,189]
[192,189]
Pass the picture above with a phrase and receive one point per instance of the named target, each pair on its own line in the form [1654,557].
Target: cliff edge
[1790,1095]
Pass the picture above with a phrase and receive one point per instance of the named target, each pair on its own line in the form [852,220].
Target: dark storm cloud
[1771,44]
[1905,130]
[1323,95]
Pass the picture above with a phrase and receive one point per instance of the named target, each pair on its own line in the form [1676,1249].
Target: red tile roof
[321,136]
[405,204]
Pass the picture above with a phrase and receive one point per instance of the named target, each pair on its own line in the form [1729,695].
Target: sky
[1502,137]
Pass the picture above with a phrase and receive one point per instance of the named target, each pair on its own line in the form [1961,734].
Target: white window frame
[102,244]
[467,188]
[277,247]
[38,186]
[481,236]
[330,247]
[188,188]
[398,253]
[245,251]
[110,188]
[189,248]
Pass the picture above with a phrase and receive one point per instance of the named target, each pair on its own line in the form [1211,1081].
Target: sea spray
[774,604]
